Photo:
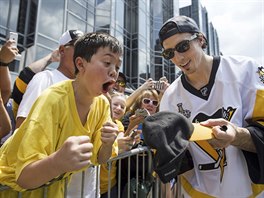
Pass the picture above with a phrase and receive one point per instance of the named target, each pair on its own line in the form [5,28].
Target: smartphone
[133,133]
[13,36]
[140,128]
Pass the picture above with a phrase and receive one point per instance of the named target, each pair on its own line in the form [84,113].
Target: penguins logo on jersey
[261,73]
[217,155]
[204,91]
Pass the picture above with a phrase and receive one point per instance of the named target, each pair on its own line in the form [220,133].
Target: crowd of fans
[60,124]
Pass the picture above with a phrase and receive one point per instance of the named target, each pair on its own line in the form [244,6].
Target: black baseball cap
[169,134]
[177,24]
[123,76]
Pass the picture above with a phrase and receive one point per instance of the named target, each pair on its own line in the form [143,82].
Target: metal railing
[157,188]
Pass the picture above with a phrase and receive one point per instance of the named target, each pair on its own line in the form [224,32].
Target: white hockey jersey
[235,92]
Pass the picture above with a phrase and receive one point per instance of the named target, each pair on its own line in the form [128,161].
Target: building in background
[200,15]
[135,23]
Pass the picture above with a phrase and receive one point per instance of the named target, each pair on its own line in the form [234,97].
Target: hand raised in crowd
[109,133]
[134,121]
[165,84]
[55,56]
[74,154]
[148,84]
[8,52]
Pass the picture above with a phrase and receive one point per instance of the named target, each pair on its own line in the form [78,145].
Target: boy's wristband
[3,64]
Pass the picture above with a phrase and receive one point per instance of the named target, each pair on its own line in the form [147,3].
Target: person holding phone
[147,103]
[7,55]
[123,144]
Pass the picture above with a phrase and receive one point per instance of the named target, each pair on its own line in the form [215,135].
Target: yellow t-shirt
[104,168]
[52,119]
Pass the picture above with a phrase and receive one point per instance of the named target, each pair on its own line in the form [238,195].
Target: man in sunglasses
[120,84]
[227,94]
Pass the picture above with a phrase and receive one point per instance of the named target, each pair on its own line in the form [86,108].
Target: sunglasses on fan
[121,83]
[148,101]
[181,47]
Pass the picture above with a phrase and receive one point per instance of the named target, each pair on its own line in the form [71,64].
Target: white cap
[70,35]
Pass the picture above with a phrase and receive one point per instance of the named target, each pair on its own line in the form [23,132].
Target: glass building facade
[200,15]
[135,23]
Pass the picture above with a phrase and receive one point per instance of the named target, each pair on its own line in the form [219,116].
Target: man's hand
[149,84]
[227,133]
[224,132]
[7,52]
[55,56]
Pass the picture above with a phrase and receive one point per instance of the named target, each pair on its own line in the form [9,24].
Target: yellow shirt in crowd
[52,119]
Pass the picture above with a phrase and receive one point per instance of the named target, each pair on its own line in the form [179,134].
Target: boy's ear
[79,63]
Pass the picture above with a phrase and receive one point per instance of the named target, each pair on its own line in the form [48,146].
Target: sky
[239,25]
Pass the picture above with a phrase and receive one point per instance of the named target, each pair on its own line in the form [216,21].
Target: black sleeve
[24,78]
[255,161]
[125,121]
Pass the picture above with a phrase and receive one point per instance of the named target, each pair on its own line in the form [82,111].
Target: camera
[159,85]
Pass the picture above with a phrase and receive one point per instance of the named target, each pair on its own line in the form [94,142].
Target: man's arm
[131,99]
[42,63]
[7,55]
[5,84]
[5,122]
[243,140]
[26,75]
[255,161]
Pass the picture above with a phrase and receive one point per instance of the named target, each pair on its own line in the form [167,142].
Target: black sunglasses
[181,47]
[153,102]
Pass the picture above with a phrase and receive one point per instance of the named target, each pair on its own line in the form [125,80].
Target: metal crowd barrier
[158,190]
[134,152]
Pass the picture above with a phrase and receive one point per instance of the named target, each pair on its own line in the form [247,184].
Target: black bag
[144,187]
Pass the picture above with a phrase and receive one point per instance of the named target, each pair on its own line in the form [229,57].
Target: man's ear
[61,50]
[202,40]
